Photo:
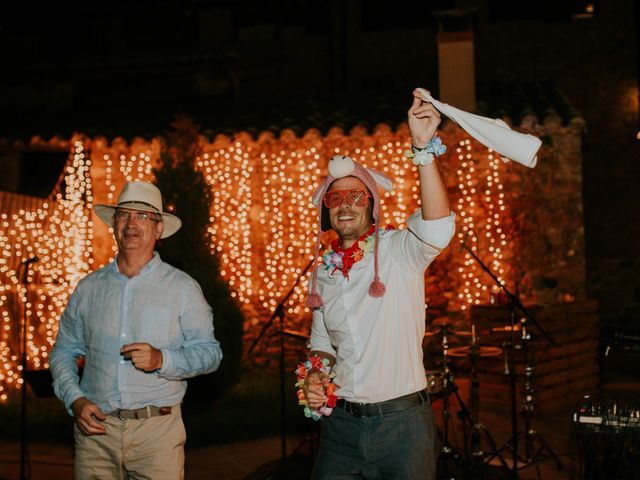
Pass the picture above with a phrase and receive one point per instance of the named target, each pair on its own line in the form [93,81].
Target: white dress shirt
[377,342]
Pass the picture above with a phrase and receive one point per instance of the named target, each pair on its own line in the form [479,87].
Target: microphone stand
[23,348]
[514,303]
[279,314]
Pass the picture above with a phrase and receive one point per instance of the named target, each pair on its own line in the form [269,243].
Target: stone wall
[547,209]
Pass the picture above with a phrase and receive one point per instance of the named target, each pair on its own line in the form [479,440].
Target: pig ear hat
[340,167]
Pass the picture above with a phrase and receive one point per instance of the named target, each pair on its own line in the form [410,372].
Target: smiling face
[350,222]
[136,232]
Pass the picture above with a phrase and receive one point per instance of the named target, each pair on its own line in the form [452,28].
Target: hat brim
[171,223]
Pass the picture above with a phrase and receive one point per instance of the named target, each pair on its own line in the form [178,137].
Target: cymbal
[506,328]
[442,321]
[295,334]
[441,331]
[481,351]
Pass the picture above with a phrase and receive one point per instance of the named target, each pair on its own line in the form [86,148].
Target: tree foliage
[187,195]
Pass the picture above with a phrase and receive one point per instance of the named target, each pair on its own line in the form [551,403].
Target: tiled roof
[519,104]
[517,100]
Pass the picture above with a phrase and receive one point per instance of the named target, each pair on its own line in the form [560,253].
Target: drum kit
[478,444]
[478,448]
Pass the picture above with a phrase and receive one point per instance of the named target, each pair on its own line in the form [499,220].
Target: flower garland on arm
[316,363]
[425,155]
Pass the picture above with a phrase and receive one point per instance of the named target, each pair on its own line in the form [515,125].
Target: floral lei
[337,258]
[315,363]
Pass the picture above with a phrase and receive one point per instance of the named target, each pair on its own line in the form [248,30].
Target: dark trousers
[398,445]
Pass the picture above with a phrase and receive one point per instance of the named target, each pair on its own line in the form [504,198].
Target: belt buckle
[349,408]
[119,414]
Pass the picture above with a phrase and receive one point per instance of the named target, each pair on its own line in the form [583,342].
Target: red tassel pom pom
[314,301]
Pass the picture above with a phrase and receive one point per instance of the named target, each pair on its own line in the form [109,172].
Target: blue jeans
[398,445]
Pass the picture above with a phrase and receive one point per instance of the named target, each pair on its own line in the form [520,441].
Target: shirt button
[124,335]
[121,362]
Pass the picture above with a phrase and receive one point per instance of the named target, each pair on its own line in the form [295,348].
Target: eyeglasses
[122,215]
[353,198]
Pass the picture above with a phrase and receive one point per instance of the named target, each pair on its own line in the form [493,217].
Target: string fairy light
[481,209]
[262,223]
[59,232]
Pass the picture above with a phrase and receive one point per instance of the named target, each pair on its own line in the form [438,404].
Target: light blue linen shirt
[162,306]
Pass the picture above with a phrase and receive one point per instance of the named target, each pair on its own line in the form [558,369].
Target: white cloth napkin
[492,133]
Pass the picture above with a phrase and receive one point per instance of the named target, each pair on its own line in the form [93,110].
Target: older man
[143,327]
[368,321]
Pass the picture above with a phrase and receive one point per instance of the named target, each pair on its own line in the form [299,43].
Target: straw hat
[143,197]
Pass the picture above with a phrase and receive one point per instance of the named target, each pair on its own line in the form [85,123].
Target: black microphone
[34,259]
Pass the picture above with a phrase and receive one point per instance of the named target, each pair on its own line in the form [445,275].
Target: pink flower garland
[315,363]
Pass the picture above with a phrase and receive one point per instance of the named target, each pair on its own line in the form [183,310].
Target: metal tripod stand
[474,432]
[478,430]
[529,434]
[279,313]
[536,449]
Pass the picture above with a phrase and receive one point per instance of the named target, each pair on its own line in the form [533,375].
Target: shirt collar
[148,268]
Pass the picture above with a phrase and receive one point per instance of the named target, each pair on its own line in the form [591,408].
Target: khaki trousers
[150,448]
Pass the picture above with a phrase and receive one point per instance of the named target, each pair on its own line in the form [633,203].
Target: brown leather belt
[140,413]
[382,408]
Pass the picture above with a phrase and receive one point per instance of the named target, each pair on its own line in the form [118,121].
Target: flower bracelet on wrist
[315,363]
[426,155]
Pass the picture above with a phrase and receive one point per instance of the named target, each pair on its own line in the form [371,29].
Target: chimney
[456,67]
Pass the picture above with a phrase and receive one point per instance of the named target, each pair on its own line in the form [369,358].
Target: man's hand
[424,119]
[86,413]
[313,388]
[143,356]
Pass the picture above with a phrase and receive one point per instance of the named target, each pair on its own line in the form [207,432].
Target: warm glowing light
[262,227]
[59,232]
[493,238]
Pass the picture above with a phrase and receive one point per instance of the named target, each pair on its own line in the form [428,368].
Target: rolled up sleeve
[415,248]
[437,233]
[68,348]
